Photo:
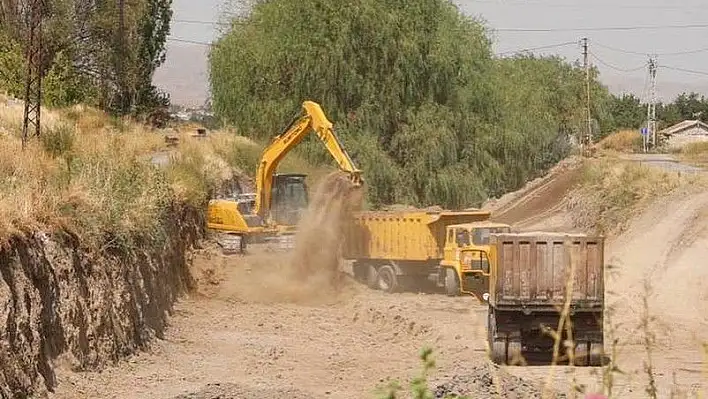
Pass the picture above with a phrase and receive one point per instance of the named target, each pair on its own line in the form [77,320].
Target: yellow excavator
[273,211]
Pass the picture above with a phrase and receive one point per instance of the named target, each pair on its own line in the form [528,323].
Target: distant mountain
[185,75]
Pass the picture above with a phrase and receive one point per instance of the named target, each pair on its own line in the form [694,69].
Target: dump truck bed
[533,270]
[403,235]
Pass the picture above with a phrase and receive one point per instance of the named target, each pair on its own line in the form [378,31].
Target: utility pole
[33,82]
[651,109]
[122,92]
[586,63]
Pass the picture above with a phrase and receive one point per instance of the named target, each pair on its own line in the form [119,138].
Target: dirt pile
[488,381]
[234,391]
[539,199]
[62,305]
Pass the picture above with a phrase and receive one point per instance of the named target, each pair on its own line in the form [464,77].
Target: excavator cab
[290,198]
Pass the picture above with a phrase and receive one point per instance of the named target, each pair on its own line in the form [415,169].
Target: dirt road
[239,333]
[663,161]
[245,340]
[665,247]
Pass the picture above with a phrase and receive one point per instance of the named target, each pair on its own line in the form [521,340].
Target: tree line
[413,87]
[629,112]
[414,90]
[96,52]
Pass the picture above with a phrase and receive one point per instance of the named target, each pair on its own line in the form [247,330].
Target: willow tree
[412,87]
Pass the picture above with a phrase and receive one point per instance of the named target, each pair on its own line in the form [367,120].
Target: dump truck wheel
[452,284]
[242,245]
[372,277]
[499,352]
[387,280]
[514,353]
[595,357]
[581,354]
[497,348]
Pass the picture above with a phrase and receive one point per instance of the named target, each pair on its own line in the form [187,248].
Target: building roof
[681,126]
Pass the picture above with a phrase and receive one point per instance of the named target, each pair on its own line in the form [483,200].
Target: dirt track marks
[346,347]
[540,201]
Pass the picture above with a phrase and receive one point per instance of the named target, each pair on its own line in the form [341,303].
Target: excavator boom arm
[316,120]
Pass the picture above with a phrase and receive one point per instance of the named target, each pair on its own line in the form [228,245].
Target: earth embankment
[82,310]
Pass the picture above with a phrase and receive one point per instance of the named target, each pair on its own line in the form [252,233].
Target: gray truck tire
[387,279]
[452,284]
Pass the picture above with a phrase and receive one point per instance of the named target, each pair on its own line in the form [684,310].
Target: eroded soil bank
[60,303]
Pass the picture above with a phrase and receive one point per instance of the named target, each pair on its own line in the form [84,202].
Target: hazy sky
[184,74]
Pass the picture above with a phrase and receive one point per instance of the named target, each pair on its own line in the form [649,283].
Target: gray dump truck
[528,285]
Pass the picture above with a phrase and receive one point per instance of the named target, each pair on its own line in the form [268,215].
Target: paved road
[663,161]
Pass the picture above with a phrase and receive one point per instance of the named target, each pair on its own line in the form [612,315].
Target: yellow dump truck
[391,249]
[536,278]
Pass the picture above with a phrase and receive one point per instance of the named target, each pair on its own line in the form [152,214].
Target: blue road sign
[645,131]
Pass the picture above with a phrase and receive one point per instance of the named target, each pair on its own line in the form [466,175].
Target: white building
[683,133]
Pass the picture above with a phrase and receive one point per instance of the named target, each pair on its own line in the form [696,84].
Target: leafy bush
[623,141]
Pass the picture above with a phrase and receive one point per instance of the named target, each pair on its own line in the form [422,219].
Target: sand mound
[488,381]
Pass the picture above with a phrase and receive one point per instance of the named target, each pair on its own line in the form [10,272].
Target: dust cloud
[310,273]
[321,230]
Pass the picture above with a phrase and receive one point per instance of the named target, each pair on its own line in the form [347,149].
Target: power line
[575,6]
[607,64]
[607,28]
[695,51]
[175,39]
[192,21]
[684,70]
[537,48]
[620,50]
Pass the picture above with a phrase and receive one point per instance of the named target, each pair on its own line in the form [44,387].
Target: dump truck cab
[468,257]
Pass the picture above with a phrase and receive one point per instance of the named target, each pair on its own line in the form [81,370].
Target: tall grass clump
[694,153]
[611,192]
[419,385]
[58,141]
[622,141]
[196,172]
[85,176]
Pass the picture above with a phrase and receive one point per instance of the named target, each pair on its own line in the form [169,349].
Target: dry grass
[612,192]
[622,141]
[694,153]
[93,175]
